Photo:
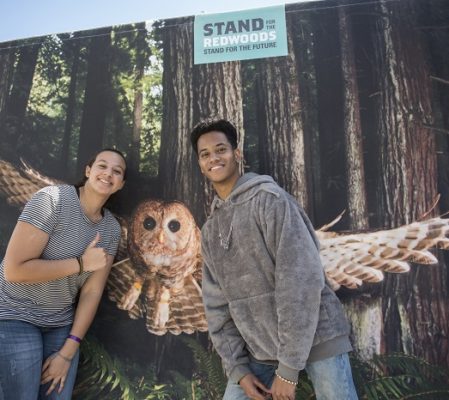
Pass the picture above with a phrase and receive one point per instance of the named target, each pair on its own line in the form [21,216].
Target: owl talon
[130,298]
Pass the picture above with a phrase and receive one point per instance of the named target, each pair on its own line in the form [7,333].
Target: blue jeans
[23,349]
[331,379]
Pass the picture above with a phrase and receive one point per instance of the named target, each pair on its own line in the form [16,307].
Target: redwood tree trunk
[329,92]
[176,163]
[415,305]
[191,94]
[7,57]
[218,94]
[96,98]
[283,138]
[71,105]
[355,170]
[140,46]
[17,102]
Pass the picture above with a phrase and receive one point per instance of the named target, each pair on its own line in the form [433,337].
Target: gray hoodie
[264,289]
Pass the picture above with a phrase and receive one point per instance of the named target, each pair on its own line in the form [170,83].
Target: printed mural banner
[352,120]
[240,35]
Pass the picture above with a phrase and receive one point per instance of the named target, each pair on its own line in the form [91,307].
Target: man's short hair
[210,125]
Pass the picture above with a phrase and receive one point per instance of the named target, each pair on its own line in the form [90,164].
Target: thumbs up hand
[94,258]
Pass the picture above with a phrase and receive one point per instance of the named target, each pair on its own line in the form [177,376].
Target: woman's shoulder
[111,220]
[58,190]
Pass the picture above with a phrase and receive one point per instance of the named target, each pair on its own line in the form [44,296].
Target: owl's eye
[174,225]
[149,223]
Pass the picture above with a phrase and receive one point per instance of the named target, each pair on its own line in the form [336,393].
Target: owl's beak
[160,237]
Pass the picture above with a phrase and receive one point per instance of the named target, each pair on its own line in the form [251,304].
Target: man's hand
[254,388]
[281,390]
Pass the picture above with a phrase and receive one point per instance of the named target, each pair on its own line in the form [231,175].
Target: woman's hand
[94,258]
[55,370]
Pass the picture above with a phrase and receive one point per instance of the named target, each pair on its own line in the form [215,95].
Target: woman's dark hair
[83,180]
[210,125]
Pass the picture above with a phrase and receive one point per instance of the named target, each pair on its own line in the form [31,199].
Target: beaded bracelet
[80,263]
[63,357]
[286,380]
[75,338]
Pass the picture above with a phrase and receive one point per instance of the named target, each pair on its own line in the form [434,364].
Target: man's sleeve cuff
[238,372]
[287,372]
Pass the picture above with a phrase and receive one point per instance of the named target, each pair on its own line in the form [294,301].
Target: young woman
[63,246]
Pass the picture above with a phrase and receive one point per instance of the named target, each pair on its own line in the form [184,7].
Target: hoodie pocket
[255,318]
[332,322]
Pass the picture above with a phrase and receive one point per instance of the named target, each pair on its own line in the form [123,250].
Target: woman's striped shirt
[57,211]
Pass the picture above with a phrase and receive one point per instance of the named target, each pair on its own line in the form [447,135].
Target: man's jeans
[331,379]
[23,349]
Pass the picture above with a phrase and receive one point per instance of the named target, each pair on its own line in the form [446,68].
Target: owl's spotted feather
[350,260]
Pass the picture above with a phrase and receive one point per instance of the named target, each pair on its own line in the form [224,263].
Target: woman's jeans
[331,379]
[23,349]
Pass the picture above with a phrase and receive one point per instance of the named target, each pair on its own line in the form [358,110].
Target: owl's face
[161,232]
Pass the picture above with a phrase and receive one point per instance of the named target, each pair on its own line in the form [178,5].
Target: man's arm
[299,280]
[227,340]
[224,334]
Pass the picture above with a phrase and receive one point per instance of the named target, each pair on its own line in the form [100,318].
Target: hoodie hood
[246,187]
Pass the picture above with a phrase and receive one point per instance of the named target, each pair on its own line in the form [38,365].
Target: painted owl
[159,263]
[159,280]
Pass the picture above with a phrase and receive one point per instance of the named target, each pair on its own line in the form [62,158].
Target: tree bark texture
[17,102]
[283,138]
[7,57]
[138,99]
[363,309]
[434,25]
[177,161]
[71,105]
[301,31]
[96,97]
[218,97]
[415,306]
[329,93]
[191,94]
[355,170]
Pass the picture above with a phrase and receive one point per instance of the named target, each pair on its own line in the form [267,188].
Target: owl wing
[18,184]
[349,260]
[186,311]
[122,250]
[121,283]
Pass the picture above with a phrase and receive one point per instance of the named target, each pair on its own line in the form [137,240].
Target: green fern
[400,376]
[304,389]
[183,388]
[100,376]
[210,371]
[384,377]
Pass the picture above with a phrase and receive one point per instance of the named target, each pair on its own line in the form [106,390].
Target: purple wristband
[75,338]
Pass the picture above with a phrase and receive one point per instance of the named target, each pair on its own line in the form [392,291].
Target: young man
[269,310]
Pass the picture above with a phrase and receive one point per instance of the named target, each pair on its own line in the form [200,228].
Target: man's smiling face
[218,160]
